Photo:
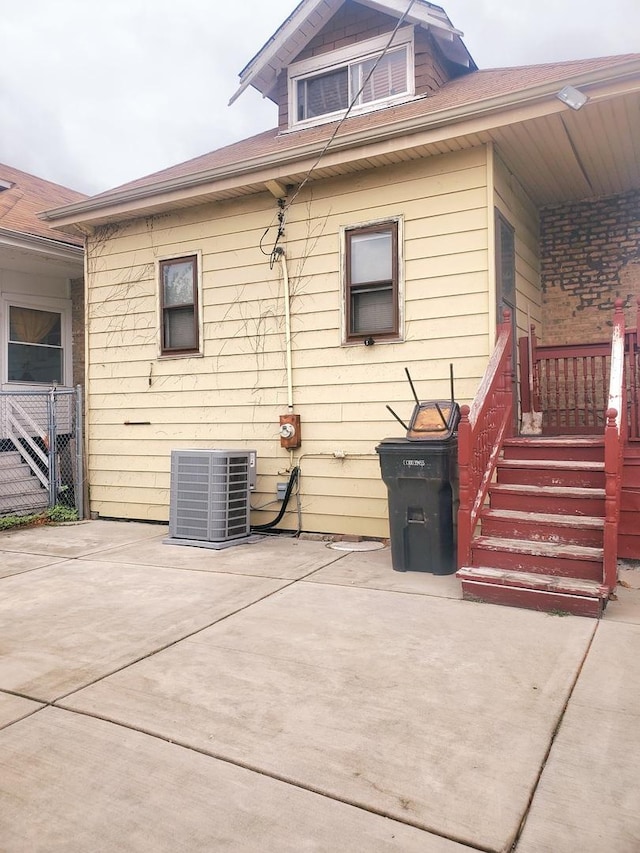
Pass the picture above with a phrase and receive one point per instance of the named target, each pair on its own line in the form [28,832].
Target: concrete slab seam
[176,641]
[107,548]
[217,572]
[34,568]
[99,550]
[279,778]
[24,716]
[552,740]
[305,579]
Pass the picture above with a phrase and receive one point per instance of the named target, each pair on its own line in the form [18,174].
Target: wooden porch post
[634,377]
[614,438]
[610,500]
[525,368]
[507,378]
[464,474]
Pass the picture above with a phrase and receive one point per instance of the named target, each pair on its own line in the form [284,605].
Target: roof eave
[44,245]
[92,209]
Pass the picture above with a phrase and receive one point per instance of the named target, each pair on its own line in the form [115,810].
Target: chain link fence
[41,462]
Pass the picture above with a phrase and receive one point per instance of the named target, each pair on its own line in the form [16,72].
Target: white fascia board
[542,97]
[41,245]
[418,14]
[274,45]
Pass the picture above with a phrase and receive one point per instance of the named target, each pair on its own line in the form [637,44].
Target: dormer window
[365,74]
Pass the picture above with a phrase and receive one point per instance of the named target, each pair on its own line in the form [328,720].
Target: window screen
[372,281]
[179,296]
[35,352]
[379,77]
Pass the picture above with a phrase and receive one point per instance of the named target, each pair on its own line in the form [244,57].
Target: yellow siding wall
[514,204]
[234,394]
[512,201]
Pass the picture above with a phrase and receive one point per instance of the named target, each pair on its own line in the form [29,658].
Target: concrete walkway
[286,696]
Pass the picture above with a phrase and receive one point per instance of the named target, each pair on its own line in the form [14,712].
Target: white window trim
[187,253]
[58,306]
[341,57]
[353,226]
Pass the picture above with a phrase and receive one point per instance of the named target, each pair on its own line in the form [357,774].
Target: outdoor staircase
[20,491]
[540,543]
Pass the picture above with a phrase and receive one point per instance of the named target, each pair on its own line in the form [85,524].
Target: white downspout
[287,328]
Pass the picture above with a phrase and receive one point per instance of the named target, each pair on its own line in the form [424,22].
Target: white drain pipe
[287,327]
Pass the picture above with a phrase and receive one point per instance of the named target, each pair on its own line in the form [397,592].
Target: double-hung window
[179,306]
[372,282]
[505,263]
[364,75]
[35,350]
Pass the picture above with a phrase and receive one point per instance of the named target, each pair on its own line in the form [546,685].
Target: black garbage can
[422,482]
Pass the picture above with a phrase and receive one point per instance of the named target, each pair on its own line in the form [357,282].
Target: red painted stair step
[543,527]
[569,561]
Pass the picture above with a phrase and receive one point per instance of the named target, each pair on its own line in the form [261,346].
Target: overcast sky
[94,93]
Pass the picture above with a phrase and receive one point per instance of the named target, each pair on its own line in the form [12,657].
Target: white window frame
[345,57]
[346,339]
[37,303]
[187,253]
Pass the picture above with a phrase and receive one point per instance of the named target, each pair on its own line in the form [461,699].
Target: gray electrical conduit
[293,479]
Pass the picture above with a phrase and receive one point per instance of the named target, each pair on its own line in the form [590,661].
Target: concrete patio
[286,696]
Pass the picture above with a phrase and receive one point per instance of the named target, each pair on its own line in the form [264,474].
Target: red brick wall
[590,256]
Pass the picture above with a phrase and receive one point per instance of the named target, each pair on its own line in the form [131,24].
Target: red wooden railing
[482,430]
[614,441]
[571,384]
[632,377]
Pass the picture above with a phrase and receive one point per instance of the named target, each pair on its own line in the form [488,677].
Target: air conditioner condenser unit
[209,501]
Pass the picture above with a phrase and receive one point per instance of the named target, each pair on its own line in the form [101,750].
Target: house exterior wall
[39,291]
[431,69]
[517,208]
[590,256]
[233,395]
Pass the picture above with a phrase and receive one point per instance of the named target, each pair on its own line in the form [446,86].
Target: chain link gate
[41,451]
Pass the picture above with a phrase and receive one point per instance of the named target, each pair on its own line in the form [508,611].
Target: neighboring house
[41,325]
[300,271]
[41,284]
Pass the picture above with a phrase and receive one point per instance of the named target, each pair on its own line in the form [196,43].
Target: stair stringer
[540,542]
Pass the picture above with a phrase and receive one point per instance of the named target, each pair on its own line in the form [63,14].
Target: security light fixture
[572,97]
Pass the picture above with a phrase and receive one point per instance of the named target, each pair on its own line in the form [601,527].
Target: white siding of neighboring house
[234,394]
[41,292]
